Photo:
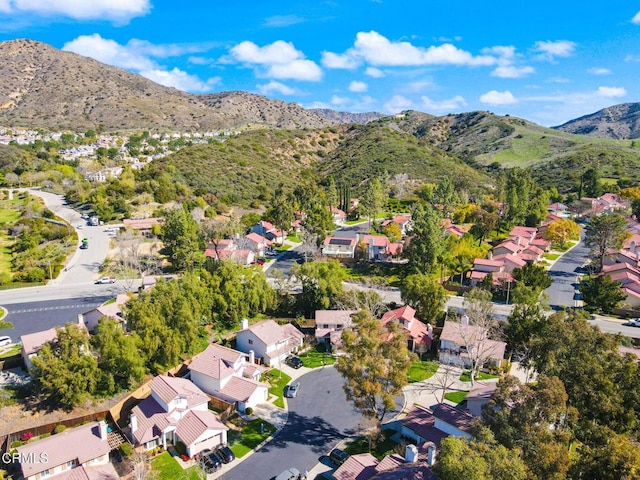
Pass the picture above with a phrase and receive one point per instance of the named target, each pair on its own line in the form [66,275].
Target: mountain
[347,117]
[45,87]
[617,122]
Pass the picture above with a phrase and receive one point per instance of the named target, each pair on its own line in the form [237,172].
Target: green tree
[374,199]
[525,323]
[484,223]
[375,365]
[182,241]
[424,294]
[534,276]
[427,239]
[319,220]
[119,354]
[280,211]
[601,293]
[332,194]
[604,232]
[560,231]
[635,208]
[591,185]
[321,284]
[65,371]
[445,196]
[614,457]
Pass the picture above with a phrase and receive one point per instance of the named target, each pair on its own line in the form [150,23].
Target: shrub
[248,411]
[126,449]
[59,429]
[26,436]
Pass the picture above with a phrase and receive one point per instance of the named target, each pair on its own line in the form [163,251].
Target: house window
[72,463]
[45,473]
[250,342]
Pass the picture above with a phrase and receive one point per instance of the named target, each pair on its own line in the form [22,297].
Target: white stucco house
[460,342]
[229,375]
[270,342]
[176,411]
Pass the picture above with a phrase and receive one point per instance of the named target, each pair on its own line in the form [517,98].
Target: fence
[226,409]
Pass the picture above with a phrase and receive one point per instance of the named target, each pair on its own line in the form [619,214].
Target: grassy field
[455,397]
[250,437]
[465,377]
[314,359]
[166,467]
[422,370]
[9,214]
[277,381]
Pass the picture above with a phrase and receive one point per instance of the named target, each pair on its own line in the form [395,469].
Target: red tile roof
[216,361]
[239,389]
[357,467]
[195,423]
[170,388]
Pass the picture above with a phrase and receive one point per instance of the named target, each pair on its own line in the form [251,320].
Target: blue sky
[545,61]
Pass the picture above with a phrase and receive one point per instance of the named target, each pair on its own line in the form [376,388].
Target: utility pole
[50,275]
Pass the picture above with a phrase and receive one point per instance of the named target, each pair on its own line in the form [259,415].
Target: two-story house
[269,341]
[339,247]
[330,325]
[176,411]
[229,375]
[461,342]
[77,453]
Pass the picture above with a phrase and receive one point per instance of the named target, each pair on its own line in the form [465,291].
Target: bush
[59,429]
[248,411]
[26,436]
[126,449]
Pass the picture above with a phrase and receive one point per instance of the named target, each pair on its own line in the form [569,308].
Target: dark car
[338,456]
[84,246]
[294,362]
[225,454]
[207,463]
[291,390]
[214,458]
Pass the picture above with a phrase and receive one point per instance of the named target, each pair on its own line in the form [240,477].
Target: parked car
[226,454]
[208,460]
[293,361]
[338,456]
[634,322]
[84,246]
[289,474]
[4,341]
[105,280]
[291,390]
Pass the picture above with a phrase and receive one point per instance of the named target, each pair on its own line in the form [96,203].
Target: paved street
[564,275]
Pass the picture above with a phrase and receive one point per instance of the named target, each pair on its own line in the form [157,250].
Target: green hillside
[377,149]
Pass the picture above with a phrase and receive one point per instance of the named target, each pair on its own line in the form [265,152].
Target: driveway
[319,418]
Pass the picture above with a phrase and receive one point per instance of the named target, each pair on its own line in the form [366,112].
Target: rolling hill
[617,122]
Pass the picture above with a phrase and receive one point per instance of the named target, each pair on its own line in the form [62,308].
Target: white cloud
[599,71]
[357,86]
[550,50]
[498,98]
[397,104]
[180,79]
[502,51]
[278,21]
[276,87]
[374,72]
[340,101]
[636,19]
[279,59]
[611,92]
[511,71]
[454,103]
[375,49]
[137,56]
[120,11]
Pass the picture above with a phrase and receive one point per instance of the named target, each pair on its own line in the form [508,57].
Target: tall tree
[601,293]
[374,199]
[280,210]
[534,276]
[484,223]
[445,196]
[591,185]
[319,220]
[424,294]
[180,235]
[561,230]
[332,194]
[604,232]
[375,365]
[213,230]
[427,239]
[321,284]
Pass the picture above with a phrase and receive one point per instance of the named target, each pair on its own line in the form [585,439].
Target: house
[510,261]
[506,248]
[377,247]
[338,215]
[257,243]
[419,426]
[403,221]
[460,341]
[268,231]
[143,225]
[526,234]
[227,249]
[112,310]
[420,334]
[330,324]
[607,203]
[32,343]
[229,375]
[79,453]
[176,411]
[269,341]
[557,208]
[478,396]
[344,248]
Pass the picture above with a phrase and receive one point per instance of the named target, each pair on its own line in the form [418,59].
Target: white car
[104,280]
[634,322]
[4,341]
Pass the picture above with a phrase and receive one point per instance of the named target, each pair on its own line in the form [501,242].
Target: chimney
[464,319]
[411,454]
[431,455]
[133,422]
[490,256]
[103,430]
[252,356]
[244,324]
[429,330]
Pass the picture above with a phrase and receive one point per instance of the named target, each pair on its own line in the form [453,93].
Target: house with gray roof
[81,453]
[269,341]
[176,411]
[230,375]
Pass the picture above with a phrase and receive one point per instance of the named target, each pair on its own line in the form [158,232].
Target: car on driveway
[634,322]
[225,454]
[289,474]
[208,461]
[291,390]
[294,362]
[105,280]
[338,456]
[4,341]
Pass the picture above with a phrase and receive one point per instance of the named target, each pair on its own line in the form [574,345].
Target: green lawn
[455,397]
[14,350]
[551,256]
[277,380]
[465,377]
[314,358]
[167,468]
[282,248]
[250,437]
[422,370]
[380,450]
[294,238]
